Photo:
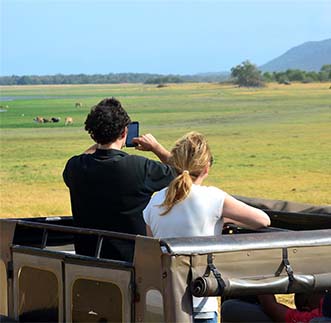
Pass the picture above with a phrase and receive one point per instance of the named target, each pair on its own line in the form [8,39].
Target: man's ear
[124,133]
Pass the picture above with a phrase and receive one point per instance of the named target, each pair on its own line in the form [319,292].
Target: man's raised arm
[149,143]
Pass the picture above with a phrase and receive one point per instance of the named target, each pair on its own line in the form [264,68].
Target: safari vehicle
[44,280]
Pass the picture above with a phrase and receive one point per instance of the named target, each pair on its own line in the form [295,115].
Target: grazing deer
[68,120]
[38,119]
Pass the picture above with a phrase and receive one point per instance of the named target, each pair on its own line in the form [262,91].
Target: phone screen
[133,131]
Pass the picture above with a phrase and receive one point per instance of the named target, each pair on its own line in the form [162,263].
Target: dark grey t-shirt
[110,188]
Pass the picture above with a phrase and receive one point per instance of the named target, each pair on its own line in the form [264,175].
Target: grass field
[273,142]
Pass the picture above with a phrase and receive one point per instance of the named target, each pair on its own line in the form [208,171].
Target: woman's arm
[148,231]
[243,214]
[227,220]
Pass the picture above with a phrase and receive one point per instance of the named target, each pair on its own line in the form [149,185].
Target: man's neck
[118,144]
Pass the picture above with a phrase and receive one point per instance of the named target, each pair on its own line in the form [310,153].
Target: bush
[247,74]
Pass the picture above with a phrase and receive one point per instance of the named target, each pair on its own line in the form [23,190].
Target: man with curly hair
[108,187]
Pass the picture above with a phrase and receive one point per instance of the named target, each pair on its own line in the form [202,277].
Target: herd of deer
[67,120]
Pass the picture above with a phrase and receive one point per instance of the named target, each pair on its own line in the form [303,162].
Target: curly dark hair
[106,121]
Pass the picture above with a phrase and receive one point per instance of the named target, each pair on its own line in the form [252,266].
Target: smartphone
[133,131]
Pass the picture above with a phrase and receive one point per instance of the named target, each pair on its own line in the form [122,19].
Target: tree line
[247,74]
[295,75]
[244,74]
[111,78]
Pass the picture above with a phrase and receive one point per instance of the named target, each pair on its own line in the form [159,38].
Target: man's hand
[149,143]
[146,142]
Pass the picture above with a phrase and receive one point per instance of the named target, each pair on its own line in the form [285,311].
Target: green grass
[273,142]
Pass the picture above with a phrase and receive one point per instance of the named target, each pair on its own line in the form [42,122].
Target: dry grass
[21,200]
[286,299]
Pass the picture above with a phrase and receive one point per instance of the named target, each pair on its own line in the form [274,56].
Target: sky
[40,37]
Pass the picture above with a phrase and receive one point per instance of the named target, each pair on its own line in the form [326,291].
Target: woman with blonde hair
[187,208]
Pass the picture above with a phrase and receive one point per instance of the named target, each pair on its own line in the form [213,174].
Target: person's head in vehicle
[191,158]
[109,188]
[308,301]
[310,307]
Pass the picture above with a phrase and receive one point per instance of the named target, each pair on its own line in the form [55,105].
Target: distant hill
[309,56]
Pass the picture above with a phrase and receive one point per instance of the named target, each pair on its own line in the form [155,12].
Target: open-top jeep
[44,280]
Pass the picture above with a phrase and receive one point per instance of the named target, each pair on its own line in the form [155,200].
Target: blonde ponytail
[189,157]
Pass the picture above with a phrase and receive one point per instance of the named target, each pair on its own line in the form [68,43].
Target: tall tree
[326,71]
[247,74]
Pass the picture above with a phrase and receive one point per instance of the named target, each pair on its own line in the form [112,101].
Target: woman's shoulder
[203,189]
[159,196]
